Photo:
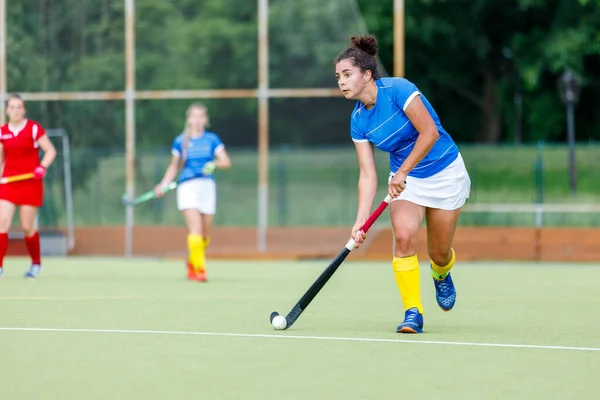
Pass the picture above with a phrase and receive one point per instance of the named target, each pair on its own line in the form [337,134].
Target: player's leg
[187,203]
[206,204]
[7,210]
[204,239]
[441,225]
[195,242]
[406,220]
[207,221]
[27,216]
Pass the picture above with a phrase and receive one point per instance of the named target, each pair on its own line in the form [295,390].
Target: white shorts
[198,194]
[449,189]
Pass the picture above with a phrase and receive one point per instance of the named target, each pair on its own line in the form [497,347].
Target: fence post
[282,206]
[539,199]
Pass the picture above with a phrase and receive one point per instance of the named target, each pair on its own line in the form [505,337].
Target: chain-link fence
[69,57]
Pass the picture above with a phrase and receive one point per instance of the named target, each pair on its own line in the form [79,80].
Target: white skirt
[198,194]
[449,189]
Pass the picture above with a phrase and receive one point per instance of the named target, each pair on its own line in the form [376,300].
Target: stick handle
[378,211]
[16,178]
[371,220]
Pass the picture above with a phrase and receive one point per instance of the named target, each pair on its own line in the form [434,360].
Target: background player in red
[20,142]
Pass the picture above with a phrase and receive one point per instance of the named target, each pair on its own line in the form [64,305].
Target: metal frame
[262,93]
[66,148]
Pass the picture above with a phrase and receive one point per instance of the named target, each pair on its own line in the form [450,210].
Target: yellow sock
[206,242]
[406,271]
[440,273]
[196,250]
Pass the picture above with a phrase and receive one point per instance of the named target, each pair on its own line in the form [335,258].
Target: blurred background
[515,82]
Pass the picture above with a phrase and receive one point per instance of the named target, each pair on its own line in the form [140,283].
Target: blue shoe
[445,293]
[413,322]
[33,271]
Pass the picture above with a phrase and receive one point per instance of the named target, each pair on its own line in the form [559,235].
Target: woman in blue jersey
[197,152]
[428,178]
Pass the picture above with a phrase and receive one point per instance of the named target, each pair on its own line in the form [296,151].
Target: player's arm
[169,176]
[171,171]
[222,160]
[49,155]
[1,158]
[428,134]
[367,185]
[48,149]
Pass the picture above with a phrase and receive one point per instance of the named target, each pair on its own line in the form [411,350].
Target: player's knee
[28,228]
[4,225]
[195,230]
[440,257]
[406,241]
[5,221]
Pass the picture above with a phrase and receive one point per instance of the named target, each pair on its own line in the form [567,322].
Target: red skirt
[23,193]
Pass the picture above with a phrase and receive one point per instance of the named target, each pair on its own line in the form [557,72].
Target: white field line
[297,337]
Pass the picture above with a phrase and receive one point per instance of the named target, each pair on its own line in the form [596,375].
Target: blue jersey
[199,151]
[388,128]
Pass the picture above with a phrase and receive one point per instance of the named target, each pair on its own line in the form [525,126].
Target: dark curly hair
[362,51]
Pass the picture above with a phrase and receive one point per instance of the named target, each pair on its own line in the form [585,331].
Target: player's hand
[209,168]
[397,184]
[358,235]
[39,172]
[159,190]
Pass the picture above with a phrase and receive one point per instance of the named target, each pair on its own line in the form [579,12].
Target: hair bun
[367,43]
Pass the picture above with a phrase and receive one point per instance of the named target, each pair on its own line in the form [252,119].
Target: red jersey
[21,153]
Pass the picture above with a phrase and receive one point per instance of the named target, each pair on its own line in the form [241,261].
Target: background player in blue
[428,178]
[197,152]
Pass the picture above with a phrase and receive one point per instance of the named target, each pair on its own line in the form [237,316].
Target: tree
[457,58]
[456,49]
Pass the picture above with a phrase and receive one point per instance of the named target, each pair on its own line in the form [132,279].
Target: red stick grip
[378,211]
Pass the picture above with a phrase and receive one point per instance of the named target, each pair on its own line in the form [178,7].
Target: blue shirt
[199,151]
[388,128]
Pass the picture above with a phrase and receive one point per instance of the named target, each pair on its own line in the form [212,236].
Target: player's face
[197,119]
[351,80]
[15,109]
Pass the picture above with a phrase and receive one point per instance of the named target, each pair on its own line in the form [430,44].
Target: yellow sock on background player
[196,250]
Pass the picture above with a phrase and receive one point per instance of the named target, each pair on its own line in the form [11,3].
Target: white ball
[279,322]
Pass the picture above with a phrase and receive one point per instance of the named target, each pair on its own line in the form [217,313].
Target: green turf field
[104,328]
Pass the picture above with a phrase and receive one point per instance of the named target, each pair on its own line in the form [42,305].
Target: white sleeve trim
[410,98]
[359,140]
[218,148]
[175,152]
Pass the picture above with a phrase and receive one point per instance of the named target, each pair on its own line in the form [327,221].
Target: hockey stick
[149,195]
[16,178]
[318,284]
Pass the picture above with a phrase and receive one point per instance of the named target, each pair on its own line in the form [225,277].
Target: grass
[318,186]
[175,339]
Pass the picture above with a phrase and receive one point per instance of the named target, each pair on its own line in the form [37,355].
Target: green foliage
[456,52]
[464,55]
